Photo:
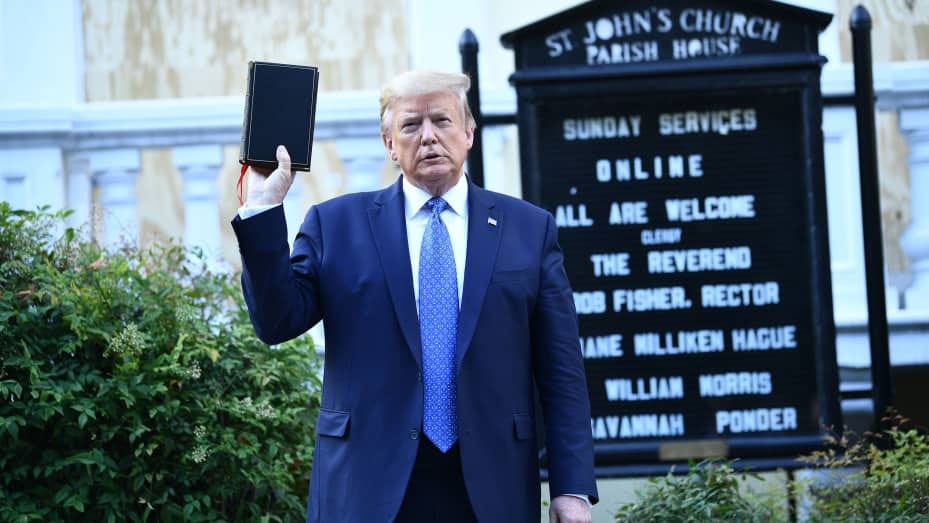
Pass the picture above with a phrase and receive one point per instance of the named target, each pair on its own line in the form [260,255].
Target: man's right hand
[266,187]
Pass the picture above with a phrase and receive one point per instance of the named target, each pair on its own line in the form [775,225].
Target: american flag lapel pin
[492,221]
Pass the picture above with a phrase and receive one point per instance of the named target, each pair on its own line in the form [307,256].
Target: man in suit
[445,306]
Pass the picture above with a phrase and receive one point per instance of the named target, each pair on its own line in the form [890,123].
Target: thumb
[283,159]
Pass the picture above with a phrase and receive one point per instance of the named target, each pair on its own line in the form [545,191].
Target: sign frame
[798,71]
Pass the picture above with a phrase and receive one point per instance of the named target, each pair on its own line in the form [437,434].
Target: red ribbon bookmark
[238,186]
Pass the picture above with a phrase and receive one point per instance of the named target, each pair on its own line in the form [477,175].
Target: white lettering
[685,49]
[697,260]
[740,294]
[721,121]
[637,426]
[732,23]
[644,300]
[680,342]
[599,347]
[644,389]
[626,213]
[672,166]
[611,264]
[659,236]
[601,127]
[735,383]
[764,338]
[756,420]
[567,216]
[622,53]
[593,302]
[558,43]
[710,208]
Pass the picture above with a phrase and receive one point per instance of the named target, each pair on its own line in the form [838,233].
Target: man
[444,306]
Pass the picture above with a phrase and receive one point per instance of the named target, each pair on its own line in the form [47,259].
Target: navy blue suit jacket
[350,268]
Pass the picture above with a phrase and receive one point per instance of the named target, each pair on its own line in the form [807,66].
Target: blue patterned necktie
[438,325]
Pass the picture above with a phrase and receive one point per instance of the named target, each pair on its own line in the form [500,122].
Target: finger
[264,171]
[283,159]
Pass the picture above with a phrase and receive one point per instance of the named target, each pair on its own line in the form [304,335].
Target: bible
[280,109]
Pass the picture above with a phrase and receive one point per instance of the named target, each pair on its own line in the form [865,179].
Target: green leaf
[11,387]
[75,503]
[92,457]
[79,397]
[62,494]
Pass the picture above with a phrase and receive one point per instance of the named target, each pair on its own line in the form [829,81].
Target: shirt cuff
[246,212]
[582,496]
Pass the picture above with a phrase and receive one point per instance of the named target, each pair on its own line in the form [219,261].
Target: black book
[280,109]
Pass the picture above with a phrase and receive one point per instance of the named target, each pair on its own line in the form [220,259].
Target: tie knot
[436,205]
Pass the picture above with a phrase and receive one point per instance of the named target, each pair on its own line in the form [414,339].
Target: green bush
[132,387]
[708,493]
[887,476]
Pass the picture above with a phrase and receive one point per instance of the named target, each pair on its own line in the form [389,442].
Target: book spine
[309,151]
[247,114]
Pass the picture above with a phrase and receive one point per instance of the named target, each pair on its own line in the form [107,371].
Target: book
[280,109]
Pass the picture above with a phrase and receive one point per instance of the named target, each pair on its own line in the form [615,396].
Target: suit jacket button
[414,434]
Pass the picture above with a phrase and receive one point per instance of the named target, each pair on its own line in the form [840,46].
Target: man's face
[430,140]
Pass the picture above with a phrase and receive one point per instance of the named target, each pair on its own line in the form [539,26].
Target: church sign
[679,147]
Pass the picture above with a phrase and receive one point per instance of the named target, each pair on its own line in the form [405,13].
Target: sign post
[679,146]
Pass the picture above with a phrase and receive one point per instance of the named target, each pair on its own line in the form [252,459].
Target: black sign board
[679,147]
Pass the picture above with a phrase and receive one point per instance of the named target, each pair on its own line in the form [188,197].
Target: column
[32,177]
[914,123]
[198,166]
[363,159]
[79,191]
[113,173]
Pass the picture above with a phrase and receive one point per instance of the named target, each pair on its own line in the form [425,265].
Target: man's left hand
[569,509]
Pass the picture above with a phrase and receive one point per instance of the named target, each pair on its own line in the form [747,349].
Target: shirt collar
[456,197]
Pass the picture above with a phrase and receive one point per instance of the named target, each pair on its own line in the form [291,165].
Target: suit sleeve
[281,291]
[560,378]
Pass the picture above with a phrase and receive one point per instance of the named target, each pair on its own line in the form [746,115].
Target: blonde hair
[414,83]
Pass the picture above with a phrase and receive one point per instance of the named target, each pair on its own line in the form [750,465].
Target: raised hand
[266,187]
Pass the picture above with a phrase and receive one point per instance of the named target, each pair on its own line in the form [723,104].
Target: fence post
[468,47]
[881,380]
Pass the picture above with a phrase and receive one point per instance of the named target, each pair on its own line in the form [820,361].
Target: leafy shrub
[708,493]
[888,476]
[132,387]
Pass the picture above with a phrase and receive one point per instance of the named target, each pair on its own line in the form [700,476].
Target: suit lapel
[388,226]
[484,222]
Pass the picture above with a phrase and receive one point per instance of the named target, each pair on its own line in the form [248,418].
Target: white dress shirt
[455,217]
